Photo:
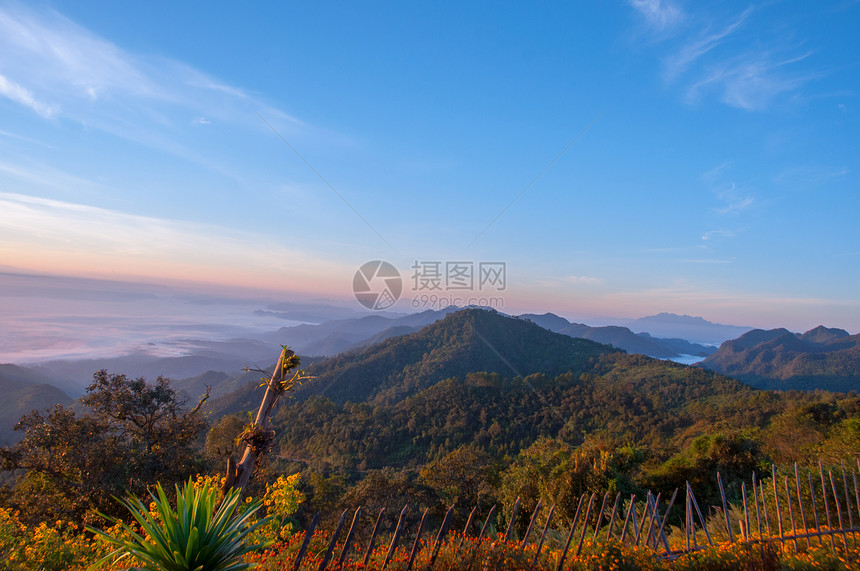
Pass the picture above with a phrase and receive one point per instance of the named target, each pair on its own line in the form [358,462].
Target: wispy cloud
[750,81]
[739,60]
[722,233]
[660,14]
[583,280]
[733,198]
[811,176]
[18,94]
[62,70]
[693,49]
[737,205]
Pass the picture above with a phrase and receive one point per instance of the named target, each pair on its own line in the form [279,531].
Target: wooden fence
[780,514]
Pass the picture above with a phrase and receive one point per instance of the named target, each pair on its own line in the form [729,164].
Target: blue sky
[622,158]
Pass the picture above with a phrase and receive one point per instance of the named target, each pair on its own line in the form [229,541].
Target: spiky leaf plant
[197,536]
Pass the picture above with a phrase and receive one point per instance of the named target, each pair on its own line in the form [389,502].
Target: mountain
[821,358]
[469,340]
[24,391]
[332,337]
[228,356]
[632,398]
[620,337]
[682,346]
[694,329]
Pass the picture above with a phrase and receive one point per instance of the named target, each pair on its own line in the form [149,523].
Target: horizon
[54,318]
[616,160]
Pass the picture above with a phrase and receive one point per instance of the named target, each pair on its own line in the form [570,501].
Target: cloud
[736,206]
[710,234]
[660,14]
[62,70]
[55,236]
[750,81]
[679,62]
[811,176]
[583,280]
[18,94]
[742,63]
[733,197]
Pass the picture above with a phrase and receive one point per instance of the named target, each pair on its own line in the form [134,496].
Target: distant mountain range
[198,356]
[23,391]
[693,329]
[821,358]
[622,337]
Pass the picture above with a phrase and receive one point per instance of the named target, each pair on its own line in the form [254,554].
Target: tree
[258,435]
[461,477]
[131,434]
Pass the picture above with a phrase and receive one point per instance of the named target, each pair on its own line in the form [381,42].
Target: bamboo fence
[777,513]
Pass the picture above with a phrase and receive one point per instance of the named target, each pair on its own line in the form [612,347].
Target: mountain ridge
[821,358]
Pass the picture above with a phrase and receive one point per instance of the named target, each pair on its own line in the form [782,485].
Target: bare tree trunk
[258,438]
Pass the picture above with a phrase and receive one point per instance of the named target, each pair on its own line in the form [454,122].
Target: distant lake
[687,359]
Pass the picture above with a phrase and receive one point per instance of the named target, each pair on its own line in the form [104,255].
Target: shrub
[194,536]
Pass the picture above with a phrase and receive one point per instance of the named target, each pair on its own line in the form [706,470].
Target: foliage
[196,535]
[462,477]
[49,547]
[734,455]
[131,434]
[282,500]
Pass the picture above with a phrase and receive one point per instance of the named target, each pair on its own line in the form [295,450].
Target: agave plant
[197,536]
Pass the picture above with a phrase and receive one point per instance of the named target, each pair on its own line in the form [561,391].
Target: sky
[619,158]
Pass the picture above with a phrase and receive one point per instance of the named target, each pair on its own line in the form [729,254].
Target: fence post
[764,508]
[701,519]
[776,501]
[612,517]
[652,519]
[600,515]
[417,540]
[466,530]
[446,523]
[688,513]
[328,552]
[848,502]
[585,524]
[543,535]
[306,541]
[814,507]
[757,512]
[838,511]
[570,535]
[349,535]
[529,528]
[396,536]
[510,530]
[725,509]
[791,514]
[857,497]
[800,501]
[826,508]
[477,545]
[663,523]
[630,509]
[645,511]
[373,536]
